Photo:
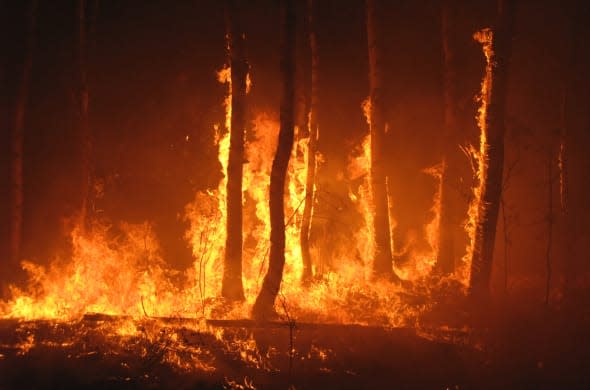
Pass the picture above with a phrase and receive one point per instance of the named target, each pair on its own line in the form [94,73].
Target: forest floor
[504,348]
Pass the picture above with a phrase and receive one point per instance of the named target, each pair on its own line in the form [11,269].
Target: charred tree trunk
[232,288]
[312,122]
[483,253]
[85,132]
[17,136]
[446,255]
[383,259]
[264,305]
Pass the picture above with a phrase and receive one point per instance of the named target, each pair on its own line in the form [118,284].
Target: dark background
[152,83]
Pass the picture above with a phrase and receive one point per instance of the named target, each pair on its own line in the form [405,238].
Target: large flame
[421,262]
[120,271]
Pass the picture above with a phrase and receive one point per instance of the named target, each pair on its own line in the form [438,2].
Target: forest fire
[267,215]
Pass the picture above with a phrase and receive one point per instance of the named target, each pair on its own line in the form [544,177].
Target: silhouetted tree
[483,253]
[383,259]
[448,223]
[232,287]
[313,127]
[85,131]
[264,305]
[17,135]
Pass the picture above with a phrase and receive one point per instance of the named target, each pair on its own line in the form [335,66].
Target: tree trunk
[85,132]
[483,252]
[383,260]
[446,255]
[232,288]
[313,127]
[17,183]
[264,305]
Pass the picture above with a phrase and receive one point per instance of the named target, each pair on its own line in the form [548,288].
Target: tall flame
[208,212]
[361,166]
[479,156]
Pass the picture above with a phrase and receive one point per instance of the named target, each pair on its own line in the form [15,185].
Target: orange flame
[479,156]
[126,275]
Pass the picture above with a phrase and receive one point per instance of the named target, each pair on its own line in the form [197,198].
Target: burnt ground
[508,349]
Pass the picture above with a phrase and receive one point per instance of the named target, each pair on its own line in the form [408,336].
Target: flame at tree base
[120,271]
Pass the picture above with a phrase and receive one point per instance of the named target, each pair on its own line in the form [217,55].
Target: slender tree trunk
[483,253]
[313,127]
[18,127]
[264,305]
[232,288]
[85,131]
[383,259]
[445,256]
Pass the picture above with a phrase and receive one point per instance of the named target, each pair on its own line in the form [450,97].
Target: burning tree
[383,259]
[232,288]
[85,131]
[446,255]
[263,307]
[17,137]
[490,157]
[313,129]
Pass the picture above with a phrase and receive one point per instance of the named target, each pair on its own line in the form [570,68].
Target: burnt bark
[264,305]
[313,126]
[383,259]
[17,136]
[232,287]
[483,253]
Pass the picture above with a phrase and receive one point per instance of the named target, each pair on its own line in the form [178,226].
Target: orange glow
[422,262]
[125,275]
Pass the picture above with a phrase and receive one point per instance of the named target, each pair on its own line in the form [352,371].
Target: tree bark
[232,287]
[17,137]
[313,127]
[483,253]
[383,259]
[446,255]
[264,305]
